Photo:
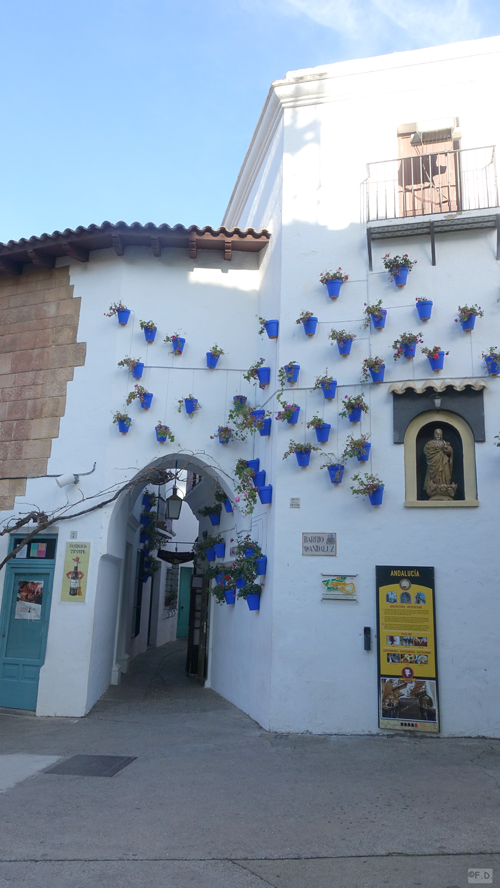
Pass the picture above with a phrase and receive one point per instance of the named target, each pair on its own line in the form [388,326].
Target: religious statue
[439,455]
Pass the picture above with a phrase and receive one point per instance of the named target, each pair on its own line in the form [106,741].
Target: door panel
[23,637]
[184,598]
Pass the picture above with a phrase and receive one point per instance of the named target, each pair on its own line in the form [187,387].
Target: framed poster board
[407,659]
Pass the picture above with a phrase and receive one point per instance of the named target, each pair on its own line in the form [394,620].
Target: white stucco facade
[298,664]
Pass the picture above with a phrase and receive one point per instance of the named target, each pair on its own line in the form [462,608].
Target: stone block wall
[38,354]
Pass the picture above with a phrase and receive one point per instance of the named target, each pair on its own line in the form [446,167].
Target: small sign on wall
[339,588]
[75,572]
[319,543]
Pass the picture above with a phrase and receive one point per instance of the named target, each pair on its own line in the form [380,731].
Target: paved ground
[213,801]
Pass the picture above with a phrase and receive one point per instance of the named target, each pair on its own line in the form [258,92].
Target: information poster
[29,599]
[76,569]
[408,683]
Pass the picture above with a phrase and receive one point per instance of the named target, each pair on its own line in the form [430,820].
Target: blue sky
[142,110]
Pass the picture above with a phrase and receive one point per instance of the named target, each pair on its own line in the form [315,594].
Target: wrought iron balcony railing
[441,182]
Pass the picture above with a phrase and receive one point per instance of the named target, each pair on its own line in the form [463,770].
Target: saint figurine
[439,455]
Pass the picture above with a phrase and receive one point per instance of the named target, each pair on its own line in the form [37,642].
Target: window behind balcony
[428,173]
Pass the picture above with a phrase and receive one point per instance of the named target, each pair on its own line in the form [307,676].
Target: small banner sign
[319,543]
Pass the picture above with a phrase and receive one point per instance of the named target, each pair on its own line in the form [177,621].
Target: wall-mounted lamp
[173,505]
[437,402]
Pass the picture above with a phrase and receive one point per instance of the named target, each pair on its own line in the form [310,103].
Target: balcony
[431,193]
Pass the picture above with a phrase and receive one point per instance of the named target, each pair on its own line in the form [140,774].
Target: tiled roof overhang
[399,388]
[17,256]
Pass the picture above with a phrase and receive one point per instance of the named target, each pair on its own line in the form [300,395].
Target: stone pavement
[213,801]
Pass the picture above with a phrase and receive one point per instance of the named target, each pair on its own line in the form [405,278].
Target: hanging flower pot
[379,322]
[146,502]
[253,464]
[333,288]
[303,457]
[219,579]
[220,551]
[377,375]
[272,328]
[292,373]
[400,276]
[323,432]
[469,324]
[467,315]
[224,438]
[409,349]
[355,414]
[138,369]
[265,429]
[492,362]
[124,426]
[364,453]
[336,473]
[230,596]
[309,323]
[344,346]
[376,497]
[249,553]
[150,333]
[261,566]
[145,520]
[178,343]
[264,376]
[214,518]
[257,416]
[329,388]
[146,401]
[265,494]
[143,539]
[259,479]
[239,400]
[228,505]
[190,404]
[210,554]
[123,316]
[240,583]
[424,308]
[212,360]
[436,357]
[293,419]
[253,601]
[353,407]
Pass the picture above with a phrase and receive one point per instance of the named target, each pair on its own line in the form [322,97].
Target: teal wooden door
[24,623]
[184,599]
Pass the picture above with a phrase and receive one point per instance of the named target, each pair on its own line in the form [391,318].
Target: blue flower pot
[355,415]
[492,366]
[249,553]
[266,494]
[190,404]
[219,579]
[212,360]
[409,349]
[123,316]
[261,566]
[437,363]
[145,520]
[295,415]
[220,550]
[365,453]
[230,596]
[468,325]
[150,333]
[379,323]
[265,429]
[310,326]
[257,416]
[146,401]
[376,497]
[264,376]
[292,373]
[178,344]
[259,479]
[272,328]
[228,505]
[329,389]
[400,276]
[303,457]
[143,539]
[224,439]
[344,346]
[333,288]
[123,427]
[210,554]
[214,518]
[240,583]
[253,464]
[425,309]
[146,502]
[378,375]
[239,400]
[323,433]
[253,601]
[161,437]
[336,473]
[138,370]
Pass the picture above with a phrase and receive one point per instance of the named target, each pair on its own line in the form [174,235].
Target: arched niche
[459,434]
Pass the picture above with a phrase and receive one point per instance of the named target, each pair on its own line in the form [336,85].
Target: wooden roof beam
[41,260]
[75,252]
[117,244]
[156,246]
[228,250]
[10,267]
